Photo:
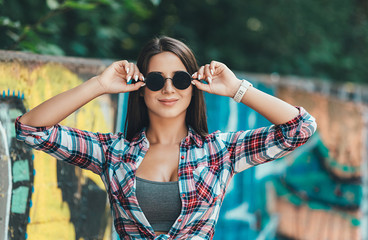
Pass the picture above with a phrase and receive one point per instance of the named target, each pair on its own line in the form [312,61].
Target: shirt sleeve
[81,148]
[253,147]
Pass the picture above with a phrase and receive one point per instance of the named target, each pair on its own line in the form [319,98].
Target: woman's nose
[168,87]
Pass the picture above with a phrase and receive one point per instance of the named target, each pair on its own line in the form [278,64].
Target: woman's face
[169,102]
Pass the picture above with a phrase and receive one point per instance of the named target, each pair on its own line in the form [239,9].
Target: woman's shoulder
[202,138]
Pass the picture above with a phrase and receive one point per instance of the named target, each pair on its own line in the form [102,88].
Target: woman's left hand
[221,80]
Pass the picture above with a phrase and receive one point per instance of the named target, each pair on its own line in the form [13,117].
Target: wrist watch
[244,86]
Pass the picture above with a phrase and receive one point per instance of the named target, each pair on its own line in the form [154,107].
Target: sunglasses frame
[155,81]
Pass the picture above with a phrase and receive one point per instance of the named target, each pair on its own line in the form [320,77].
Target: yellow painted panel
[60,230]
[50,216]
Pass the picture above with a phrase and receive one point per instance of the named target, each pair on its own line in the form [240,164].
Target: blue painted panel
[237,219]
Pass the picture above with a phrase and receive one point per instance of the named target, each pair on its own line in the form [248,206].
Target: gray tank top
[159,201]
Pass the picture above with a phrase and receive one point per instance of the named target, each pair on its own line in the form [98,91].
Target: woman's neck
[166,131]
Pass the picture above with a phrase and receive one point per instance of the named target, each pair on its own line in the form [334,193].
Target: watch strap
[244,86]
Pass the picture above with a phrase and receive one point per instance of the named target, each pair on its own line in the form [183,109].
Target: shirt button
[182,157]
[179,220]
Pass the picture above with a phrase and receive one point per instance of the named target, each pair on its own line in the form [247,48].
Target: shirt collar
[197,139]
[192,135]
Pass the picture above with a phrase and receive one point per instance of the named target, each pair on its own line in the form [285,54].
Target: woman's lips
[168,102]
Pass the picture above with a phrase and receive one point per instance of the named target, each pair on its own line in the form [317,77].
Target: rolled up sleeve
[253,147]
[81,148]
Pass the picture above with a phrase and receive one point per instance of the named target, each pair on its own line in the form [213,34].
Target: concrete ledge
[347,91]
[83,66]
[88,67]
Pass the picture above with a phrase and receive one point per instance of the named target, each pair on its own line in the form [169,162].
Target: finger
[119,66]
[213,65]
[123,64]
[137,76]
[207,74]
[134,86]
[201,86]
[195,75]
[130,75]
[200,73]
[136,73]
[141,77]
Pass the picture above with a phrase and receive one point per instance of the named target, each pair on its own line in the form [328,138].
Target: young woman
[166,177]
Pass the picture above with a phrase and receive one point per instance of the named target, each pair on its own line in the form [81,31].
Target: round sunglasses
[155,81]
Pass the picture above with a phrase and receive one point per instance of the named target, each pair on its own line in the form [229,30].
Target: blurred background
[325,39]
[309,53]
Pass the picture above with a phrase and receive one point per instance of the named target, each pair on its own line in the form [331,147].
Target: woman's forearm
[222,81]
[62,105]
[273,109]
[113,80]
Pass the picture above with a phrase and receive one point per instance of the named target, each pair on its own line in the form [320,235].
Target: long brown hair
[137,114]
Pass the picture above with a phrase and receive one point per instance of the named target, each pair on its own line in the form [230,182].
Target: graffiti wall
[320,191]
[41,198]
[320,194]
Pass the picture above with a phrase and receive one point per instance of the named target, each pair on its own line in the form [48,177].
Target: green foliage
[316,38]
[79,5]
[6,22]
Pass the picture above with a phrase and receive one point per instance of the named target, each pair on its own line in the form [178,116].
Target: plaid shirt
[206,166]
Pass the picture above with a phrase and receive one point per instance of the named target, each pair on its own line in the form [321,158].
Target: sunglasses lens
[181,80]
[154,81]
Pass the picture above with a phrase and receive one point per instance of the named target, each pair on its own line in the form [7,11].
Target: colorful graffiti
[319,196]
[318,191]
[16,173]
[42,198]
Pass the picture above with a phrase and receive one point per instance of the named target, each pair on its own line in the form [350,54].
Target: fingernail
[211,71]
[143,85]
[127,70]
[143,78]
[209,80]
[193,82]
[129,79]
[136,78]
[199,76]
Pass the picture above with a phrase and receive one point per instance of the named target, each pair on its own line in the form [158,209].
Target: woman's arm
[257,146]
[112,80]
[222,81]
[292,126]
[40,130]
[273,109]
[59,107]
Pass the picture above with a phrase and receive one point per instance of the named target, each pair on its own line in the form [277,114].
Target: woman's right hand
[116,78]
